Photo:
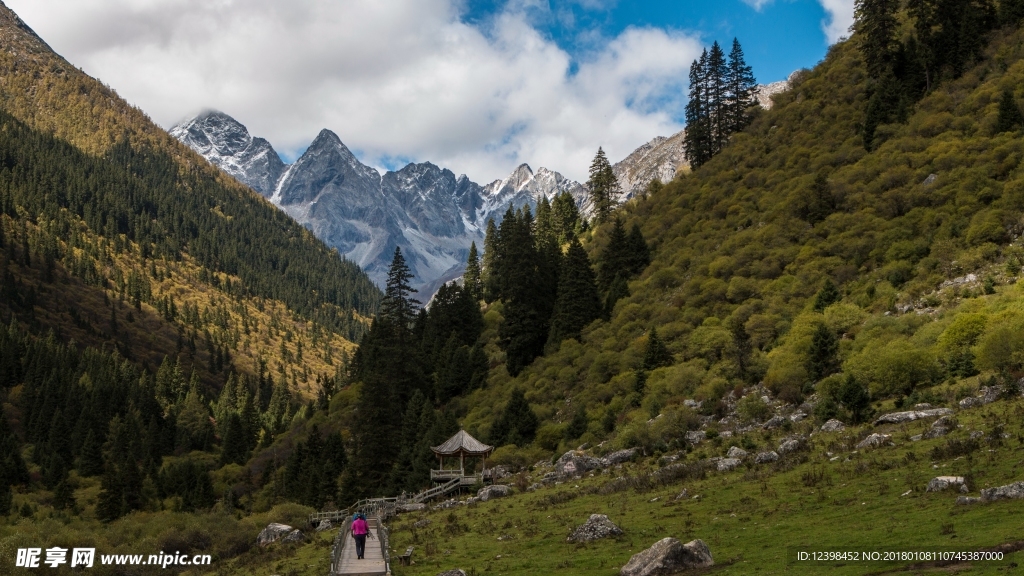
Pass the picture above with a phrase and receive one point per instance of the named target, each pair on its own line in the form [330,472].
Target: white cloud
[404,79]
[757,4]
[840,18]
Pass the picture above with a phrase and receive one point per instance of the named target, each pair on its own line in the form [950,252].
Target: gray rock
[969,402]
[668,556]
[797,416]
[412,507]
[833,425]
[695,436]
[683,495]
[294,536]
[766,457]
[873,441]
[274,532]
[324,525]
[534,487]
[495,491]
[574,463]
[423,523]
[621,456]
[1010,491]
[791,445]
[691,403]
[911,415]
[736,452]
[774,422]
[940,428]
[598,526]
[966,500]
[453,572]
[930,180]
[726,464]
[940,483]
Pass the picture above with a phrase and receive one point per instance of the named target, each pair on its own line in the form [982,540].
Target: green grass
[752,516]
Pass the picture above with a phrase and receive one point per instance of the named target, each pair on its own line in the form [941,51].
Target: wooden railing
[451,485]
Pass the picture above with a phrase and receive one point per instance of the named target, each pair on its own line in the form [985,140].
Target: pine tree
[827,296]
[516,424]
[656,354]
[578,303]
[617,291]
[525,288]
[855,397]
[638,253]
[742,89]
[566,216]
[875,26]
[1011,12]
[487,272]
[1010,117]
[578,425]
[823,358]
[233,446]
[717,102]
[91,461]
[697,139]
[472,278]
[615,258]
[398,308]
[603,185]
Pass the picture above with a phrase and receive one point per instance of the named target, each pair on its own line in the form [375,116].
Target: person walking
[359,531]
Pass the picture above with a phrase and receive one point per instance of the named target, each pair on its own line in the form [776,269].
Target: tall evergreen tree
[823,358]
[717,104]
[398,308]
[472,279]
[566,216]
[827,296]
[615,258]
[875,26]
[526,291]
[1010,117]
[656,354]
[602,184]
[638,254]
[517,423]
[697,144]
[741,87]
[617,291]
[578,303]
[487,271]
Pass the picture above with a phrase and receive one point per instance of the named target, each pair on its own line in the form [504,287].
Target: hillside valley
[781,349]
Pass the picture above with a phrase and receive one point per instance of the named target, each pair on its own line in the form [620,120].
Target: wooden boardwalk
[373,560]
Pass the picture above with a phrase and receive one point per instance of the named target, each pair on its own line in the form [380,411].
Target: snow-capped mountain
[428,211]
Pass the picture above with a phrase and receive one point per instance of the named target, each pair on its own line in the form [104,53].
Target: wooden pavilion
[461,445]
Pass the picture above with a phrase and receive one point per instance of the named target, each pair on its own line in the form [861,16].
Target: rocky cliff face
[429,212]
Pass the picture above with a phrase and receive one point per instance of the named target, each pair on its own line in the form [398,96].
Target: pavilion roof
[463,443]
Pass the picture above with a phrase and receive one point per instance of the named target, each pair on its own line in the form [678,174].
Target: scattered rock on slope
[453,572]
[574,463]
[274,532]
[833,425]
[668,556]
[736,452]
[595,528]
[873,441]
[911,415]
[940,427]
[1014,491]
[940,483]
[496,491]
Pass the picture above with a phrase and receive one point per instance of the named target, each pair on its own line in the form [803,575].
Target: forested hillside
[815,251]
[161,324]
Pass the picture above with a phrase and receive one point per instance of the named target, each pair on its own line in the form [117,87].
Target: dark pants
[360,544]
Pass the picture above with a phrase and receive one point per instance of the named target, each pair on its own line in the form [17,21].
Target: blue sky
[476,86]
[777,38]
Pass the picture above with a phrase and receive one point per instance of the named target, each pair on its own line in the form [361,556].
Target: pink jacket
[359,527]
